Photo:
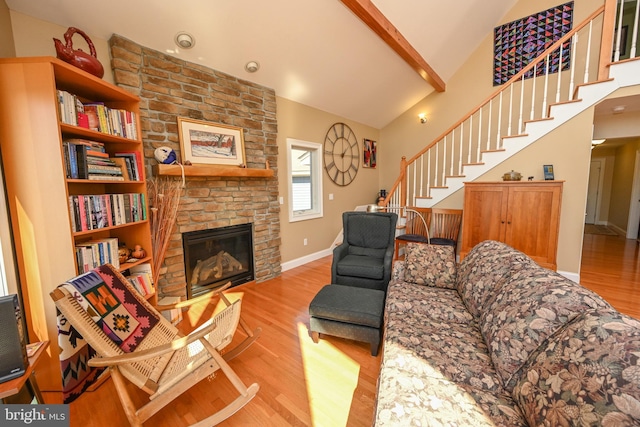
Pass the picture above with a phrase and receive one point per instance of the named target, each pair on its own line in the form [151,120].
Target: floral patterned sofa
[499,341]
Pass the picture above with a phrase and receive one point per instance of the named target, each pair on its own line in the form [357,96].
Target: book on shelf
[123,167]
[93,253]
[104,169]
[96,116]
[99,177]
[96,211]
[33,347]
[141,277]
[133,160]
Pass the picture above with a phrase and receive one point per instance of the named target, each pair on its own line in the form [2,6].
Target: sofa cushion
[361,266]
[432,303]
[431,265]
[484,270]
[530,307]
[588,373]
[412,392]
[456,352]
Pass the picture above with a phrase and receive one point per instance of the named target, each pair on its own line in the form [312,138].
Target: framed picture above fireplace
[210,143]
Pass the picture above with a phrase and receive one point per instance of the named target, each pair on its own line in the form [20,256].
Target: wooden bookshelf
[38,190]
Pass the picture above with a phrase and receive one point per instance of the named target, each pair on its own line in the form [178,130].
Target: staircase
[523,110]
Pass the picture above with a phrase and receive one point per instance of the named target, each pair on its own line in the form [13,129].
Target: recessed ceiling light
[252,66]
[185,40]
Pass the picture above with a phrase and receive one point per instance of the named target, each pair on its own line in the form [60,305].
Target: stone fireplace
[213,257]
[169,88]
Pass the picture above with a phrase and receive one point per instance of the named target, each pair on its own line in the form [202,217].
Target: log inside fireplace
[216,256]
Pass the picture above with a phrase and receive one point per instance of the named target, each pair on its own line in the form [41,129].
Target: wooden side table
[12,387]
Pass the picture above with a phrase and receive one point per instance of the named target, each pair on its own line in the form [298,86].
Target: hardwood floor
[611,268]
[332,383]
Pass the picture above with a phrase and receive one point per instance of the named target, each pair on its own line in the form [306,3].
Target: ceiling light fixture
[252,66]
[185,40]
[618,109]
[423,118]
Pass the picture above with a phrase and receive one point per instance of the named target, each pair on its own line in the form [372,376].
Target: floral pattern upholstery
[586,374]
[487,267]
[437,303]
[431,265]
[457,350]
[529,308]
[412,392]
[513,345]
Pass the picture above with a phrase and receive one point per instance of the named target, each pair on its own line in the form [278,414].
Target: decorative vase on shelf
[78,57]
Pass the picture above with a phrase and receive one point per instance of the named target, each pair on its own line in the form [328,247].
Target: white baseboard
[574,277]
[305,259]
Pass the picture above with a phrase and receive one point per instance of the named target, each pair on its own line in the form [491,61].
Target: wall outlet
[330,196]
[304,242]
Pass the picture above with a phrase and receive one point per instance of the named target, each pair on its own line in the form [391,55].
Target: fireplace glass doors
[216,256]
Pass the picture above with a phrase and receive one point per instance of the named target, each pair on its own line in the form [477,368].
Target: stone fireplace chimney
[170,88]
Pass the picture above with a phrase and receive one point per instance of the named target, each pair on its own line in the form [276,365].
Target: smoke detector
[185,40]
[252,66]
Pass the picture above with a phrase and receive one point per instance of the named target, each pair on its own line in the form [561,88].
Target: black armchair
[365,256]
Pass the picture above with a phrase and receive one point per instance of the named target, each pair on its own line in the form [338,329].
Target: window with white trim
[304,168]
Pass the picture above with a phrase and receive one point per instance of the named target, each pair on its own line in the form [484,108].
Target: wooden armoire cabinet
[523,214]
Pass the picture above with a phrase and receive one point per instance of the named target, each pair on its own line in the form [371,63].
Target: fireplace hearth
[216,256]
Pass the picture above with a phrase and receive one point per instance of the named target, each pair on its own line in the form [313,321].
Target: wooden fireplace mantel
[212,170]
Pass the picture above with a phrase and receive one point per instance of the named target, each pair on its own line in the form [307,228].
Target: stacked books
[85,159]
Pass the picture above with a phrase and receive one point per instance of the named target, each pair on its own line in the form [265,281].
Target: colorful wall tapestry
[517,43]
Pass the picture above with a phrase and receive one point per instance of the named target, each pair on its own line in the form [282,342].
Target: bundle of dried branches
[164,199]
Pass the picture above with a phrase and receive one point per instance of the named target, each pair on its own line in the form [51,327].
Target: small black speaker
[13,350]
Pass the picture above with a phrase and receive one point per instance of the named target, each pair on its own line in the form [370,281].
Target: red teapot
[77,57]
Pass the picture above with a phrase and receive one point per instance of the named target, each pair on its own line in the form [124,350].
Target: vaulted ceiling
[315,52]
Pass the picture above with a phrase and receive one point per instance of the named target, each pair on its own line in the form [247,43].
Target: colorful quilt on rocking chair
[118,313]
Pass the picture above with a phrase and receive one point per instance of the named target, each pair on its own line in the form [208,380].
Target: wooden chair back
[445,223]
[414,225]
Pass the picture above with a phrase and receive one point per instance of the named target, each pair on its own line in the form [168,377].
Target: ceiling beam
[371,15]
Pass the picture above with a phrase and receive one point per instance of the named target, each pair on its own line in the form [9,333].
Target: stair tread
[515,136]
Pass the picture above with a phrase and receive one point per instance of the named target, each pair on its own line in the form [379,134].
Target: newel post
[403,180]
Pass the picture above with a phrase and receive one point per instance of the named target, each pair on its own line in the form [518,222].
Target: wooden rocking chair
[252,335]
[137,343]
